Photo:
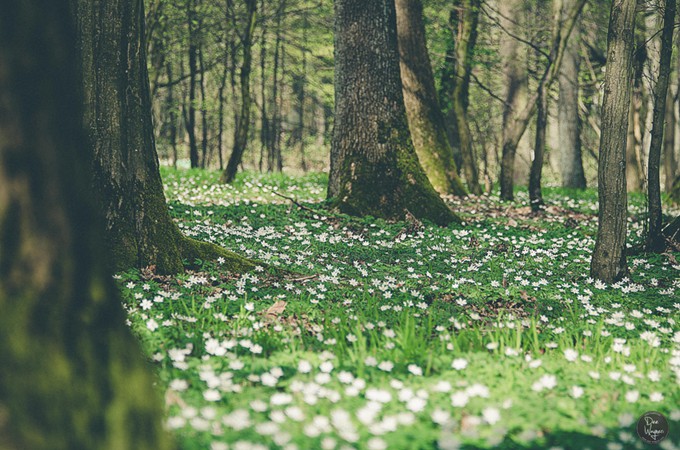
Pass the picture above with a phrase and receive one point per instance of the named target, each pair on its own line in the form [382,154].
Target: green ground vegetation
[366,334]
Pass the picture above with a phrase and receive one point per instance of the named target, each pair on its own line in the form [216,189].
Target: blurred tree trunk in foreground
[426,121]
[127,182]
[609,257]
[374,167]
[72,375]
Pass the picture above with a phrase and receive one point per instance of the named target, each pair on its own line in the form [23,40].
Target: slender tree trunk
[569,121]
[426,121]
[655,241]
[374,167]
[204,111]
[243,123]
[264,123]
[278,135]
[634,178]
[447,86]
[172,116]
[273,133]
[73,377]
[193,72]
[127,182]
[220,114]
[301,81]
[465,44]
[670,164]
[609,257]
[515,123]
[535,194]
[515,81]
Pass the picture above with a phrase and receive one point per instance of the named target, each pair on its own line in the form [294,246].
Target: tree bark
[515,80]
[243,122]
[609,257]
[127,182]
[73,377]
[535,194]
[374,167]
[193,73]
[465,44]
[204,112]
[568,118]
[515,123]
[670,165]
[425,119]
[655,241]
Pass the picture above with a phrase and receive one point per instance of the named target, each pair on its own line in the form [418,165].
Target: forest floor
[358,333]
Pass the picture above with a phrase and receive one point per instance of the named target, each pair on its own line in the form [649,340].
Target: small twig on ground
[295,202]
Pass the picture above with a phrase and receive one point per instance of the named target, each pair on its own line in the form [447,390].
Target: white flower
[459,399]
[179,385]
[304,366]
[345,377]
[415,370]
[576,391]
[440,417]
[570,354]
[212,395]
[326,367]
[378,395]
[491,415]
[656,396]
[386,366]
[459,364]
[442,386]
[376,444]
[152,325]
[416,404]
[545,382]
[478,390]
[654,376]
[632,396]
[626,420]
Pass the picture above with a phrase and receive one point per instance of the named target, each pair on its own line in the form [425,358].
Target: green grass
[405,335]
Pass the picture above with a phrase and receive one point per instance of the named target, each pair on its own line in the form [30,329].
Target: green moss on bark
[192,250]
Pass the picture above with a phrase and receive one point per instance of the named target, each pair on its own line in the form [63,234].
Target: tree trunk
[243,123]
[655,241]
[425,119]
[193,72]
[374,167]
[568,117]
[670,164]
[515,122]
[515,80]
[172,116]
[220,114]
[609,257]
[204,112]
[73,377]
[465,44]
[127,182]
[535,194]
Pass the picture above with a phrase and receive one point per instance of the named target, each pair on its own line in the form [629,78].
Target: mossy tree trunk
[609,257]
[127,182]
[243,122]
[374,167]
[73,377]
[655,241]
[425,118]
